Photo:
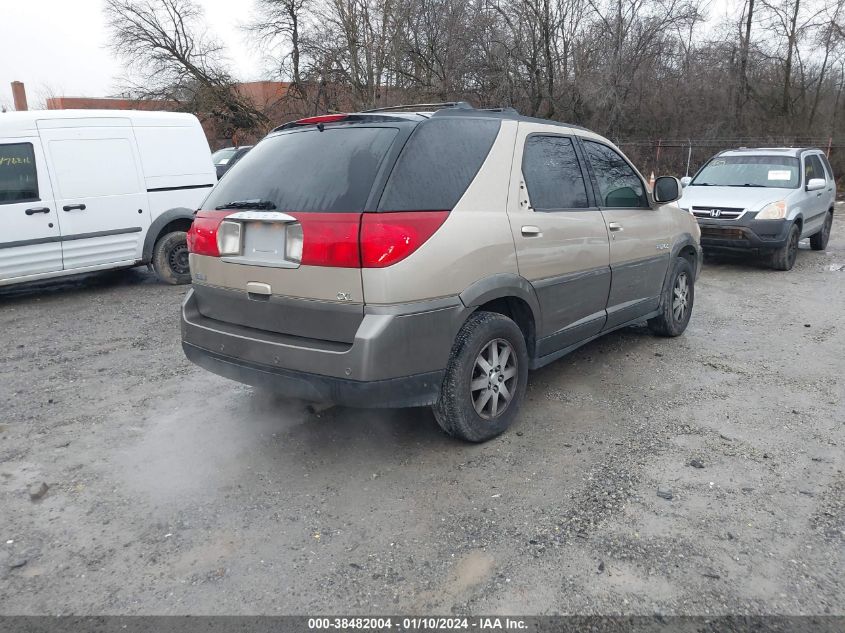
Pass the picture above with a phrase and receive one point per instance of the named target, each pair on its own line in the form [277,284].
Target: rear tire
[677,301]
[485,379]
[818,242]
[170,258]
[784,257]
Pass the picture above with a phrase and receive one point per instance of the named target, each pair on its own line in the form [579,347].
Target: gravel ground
[173,491]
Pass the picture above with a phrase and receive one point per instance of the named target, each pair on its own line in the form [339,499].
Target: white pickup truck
[87,190]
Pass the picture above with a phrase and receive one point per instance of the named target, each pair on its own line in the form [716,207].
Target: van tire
[170,258]
[677,301]
[455,409]
[818,242]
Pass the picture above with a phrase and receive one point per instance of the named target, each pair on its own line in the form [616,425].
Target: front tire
[818,242]
[677,301]
[170,258]
[784,257]
[485,380]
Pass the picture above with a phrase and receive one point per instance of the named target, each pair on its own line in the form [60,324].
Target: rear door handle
[37,210]
[531,231]
[615,226]
[73,207]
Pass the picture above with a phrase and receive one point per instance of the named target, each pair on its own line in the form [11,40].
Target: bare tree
[173,59]
[282,26]
[746,22]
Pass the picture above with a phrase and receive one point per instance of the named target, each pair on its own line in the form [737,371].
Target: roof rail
[502,109]
[463,105]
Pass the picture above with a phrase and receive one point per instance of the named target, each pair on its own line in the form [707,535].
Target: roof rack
[463,105]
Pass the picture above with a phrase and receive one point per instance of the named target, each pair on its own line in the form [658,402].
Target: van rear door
[100,195]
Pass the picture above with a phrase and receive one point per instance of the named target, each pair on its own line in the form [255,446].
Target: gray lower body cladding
[744,234]
[408,391]
[397,355]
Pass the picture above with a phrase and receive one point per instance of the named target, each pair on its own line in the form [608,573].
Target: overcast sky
[60,47]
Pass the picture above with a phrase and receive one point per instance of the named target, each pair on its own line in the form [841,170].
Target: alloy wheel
[680,297]
[494,379]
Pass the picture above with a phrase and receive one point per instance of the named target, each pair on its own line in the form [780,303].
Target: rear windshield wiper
[264,205]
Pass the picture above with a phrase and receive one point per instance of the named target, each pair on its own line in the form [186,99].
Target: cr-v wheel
[676,302]
[485,379]
[818,242]
[784,257]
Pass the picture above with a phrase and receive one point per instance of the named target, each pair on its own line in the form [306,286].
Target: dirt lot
[174,491]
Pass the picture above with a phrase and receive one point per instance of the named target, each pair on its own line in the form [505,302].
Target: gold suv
[395,259]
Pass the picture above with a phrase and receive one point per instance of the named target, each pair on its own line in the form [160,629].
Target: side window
[438,164]
[553,175]
[18,176]
[827,166]
[812,168]
[618,184]
[90,168]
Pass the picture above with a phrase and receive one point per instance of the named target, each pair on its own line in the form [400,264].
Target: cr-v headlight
[773,211]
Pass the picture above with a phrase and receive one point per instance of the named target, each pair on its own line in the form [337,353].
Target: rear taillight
[328,239]
[202,236]
[388,238]
[342,240]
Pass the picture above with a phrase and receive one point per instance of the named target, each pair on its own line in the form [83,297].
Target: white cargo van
[86,190]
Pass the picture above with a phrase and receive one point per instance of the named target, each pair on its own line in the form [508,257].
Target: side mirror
[815,184]
[667,189]
[685,181]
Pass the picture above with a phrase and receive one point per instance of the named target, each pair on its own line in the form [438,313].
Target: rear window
[308,170]
[438,163]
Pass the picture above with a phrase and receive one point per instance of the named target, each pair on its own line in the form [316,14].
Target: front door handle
[615,226]
[37,210]
[531,231]
[73,207]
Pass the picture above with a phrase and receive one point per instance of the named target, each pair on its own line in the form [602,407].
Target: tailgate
[286,232]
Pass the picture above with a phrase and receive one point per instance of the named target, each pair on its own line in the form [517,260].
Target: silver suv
[765,199]
[394,259]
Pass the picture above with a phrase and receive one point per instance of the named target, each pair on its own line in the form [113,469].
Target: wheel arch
[176,219]
[799,220]
[690,249]
[510,295]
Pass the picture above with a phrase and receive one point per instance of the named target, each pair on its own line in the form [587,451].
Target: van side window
[619,185]
[553,175]
[90,168]
[812,168]
[18,176]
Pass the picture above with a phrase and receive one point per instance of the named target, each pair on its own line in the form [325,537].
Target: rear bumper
[397,358]
[407,391]
[744,234]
